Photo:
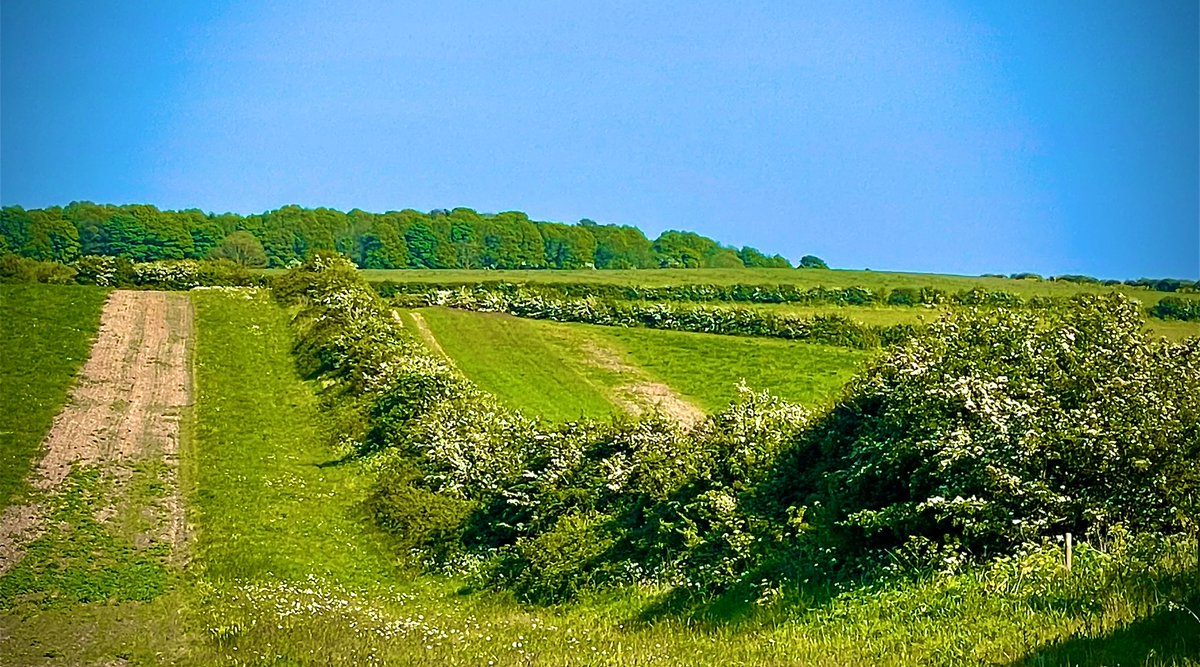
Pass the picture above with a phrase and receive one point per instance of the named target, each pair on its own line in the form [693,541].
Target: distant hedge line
[1175,308]
[735,321]
[119,272]
[1170,308]
[739,293]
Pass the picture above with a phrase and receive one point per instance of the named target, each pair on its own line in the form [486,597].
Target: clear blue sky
[964,137]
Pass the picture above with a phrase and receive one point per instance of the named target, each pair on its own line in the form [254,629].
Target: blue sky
[1055,137]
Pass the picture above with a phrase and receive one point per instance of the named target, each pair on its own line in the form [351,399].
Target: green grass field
[316,589]
[707,368]
[285,570]
[533,366]
[268,488]
[45,334]
[561,371]
[801,277]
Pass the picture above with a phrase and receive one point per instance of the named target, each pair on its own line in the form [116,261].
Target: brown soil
[641,396]
[127,404]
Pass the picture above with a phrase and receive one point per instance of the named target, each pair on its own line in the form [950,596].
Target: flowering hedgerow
[729,320]
[994,428]
[165,275]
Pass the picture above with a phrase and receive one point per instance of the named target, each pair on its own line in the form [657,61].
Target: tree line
[460,238]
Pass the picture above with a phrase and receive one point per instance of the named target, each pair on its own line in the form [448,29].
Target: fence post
[1068,552]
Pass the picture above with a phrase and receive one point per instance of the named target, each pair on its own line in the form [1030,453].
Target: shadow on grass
[337,463]
[1169,636]
[736,606]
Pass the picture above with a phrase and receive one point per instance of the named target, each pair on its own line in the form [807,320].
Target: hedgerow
[416,293]
[166,275]
[120,272]
[828,329]
[992,430]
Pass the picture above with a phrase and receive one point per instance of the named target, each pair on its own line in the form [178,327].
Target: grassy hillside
[45,334]
[285,569]
[537,367]
[707,367]
[562,371]
[268,494]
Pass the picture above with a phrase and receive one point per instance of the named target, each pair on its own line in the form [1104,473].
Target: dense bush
[1176,308]
[998,427]
[737,321]
[175,275]
[14,269]
[995,428]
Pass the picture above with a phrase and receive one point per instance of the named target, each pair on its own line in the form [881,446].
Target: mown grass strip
[543,367]
[45,334]
[523,363]
[271,498]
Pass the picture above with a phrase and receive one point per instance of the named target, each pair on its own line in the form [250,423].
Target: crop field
[242,504]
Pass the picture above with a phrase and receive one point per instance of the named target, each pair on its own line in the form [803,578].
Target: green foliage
[997,427]
[461,238]
[242,249]
[959,443]
[688,250]
[830,329]
[1176,308]
[417,518]
[812,262]
[175,275]
[17,269]
[753,258]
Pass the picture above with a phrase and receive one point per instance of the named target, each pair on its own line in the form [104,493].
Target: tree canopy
[458,238]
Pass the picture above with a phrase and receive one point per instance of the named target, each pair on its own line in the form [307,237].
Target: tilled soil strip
[128,402]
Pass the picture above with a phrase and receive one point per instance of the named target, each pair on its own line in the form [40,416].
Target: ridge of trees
[440,239]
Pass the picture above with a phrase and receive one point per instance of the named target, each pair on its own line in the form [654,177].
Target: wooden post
[1068,552]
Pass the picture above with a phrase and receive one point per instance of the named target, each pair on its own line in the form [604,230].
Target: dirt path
[126,407]
[427,335]
[640,395]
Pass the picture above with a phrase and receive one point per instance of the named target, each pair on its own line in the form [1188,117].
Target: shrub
[993,429]
[15,269]
[1177,308]
[417,518]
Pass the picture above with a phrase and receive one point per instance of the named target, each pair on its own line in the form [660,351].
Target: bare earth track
[127,405]
[642,396]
